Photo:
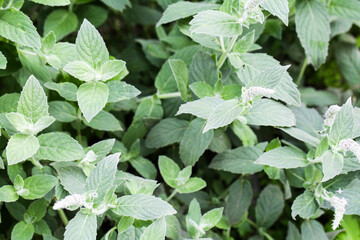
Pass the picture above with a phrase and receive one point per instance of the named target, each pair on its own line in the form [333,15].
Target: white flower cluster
[339,205]
[252,92]
[350,145]
[74,200]
[250,5]
[331,114]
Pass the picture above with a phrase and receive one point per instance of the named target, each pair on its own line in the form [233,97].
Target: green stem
[161,96]
[5,134]
[36,162]
[252,223]
[63,217]
[78,128]
[268,236]
[224,56]
[302,71]
[171,195]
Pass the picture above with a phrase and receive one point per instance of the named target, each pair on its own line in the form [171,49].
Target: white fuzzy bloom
[76,200]
[250,5]
[252,92]
[331,114]
[339,207]
[350,145]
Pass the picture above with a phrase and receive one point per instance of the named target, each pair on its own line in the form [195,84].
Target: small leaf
[192,185]
[169,170]
[39,185]
[121,91]
[23,231]
[21,147]
[181,75]
[312,230]
[283,157]
[304,205]
[332,165]
[8,194]
[211,218]
[65,89]
[81,227]
[156,230]
[61,22]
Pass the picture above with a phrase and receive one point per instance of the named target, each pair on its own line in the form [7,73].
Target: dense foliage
[179,120]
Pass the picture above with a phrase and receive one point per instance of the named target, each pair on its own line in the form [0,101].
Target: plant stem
[161,96]
[36,162]
[251,223]
[224,56]
[78,128]
[5,134]
[302,71]
[171,195]
[268,236]
[63,217]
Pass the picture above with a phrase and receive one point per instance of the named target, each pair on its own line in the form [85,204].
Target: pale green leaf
[53,2]
[61,22]
[181,75]
[201,108]
[82,71]
[81,227]
[21,147]
[111,68]
[62,111]
[210,219]
[332,165]
[305,205]
[279,8]
[72,179]
[156,230]
[3,61]
[312,230]
[348,9]
[192,185]
[283,157]
[23,231]
[8,194]
[169,170]
[105,121]
[121,91]
[65,89]
[39,185]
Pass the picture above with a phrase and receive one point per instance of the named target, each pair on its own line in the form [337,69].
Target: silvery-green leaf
[62,111]
[192,185]
[156,230]
[266,112]
[59,146]
[183,9]
[105,121]
[43,123]
[343,124]
[39,185]
[33,101]
[143,207]
[348,59]
[166,132]
[61,22]
[269,206]
[101,148]
[215,23]
[92,97]
[82,71]
[312,230]
[3,61]
[348,9]
[268,78]
[121,91]
[302,135]
[238,160]
[65,89]
[283,157]
[72,179]
[53,2]
[332,165]
[8,194]
[23,231]
[292,232]
[203,69]
[201,108]
[169,170]
[20,122]
[9,102]
[305,205]
[211,218]
[90,46]
[313,29]
[81,227]
[181,75]
[21,147]
[245,42]
[277,8]
[66,52]
[194,142]
[17,27]
[111,68]
[223,114]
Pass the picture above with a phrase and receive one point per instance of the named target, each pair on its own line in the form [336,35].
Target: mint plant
[168,119]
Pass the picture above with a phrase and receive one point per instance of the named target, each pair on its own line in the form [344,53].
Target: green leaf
[238,201]
[192,185]
[144,167]
[111,68]
[220,142]
[117,5]
[238,160]
[292,233]
[210,219]
[332,165]
[202,89]
[269,206]
[39,185]
[312,230]
[245,43]
[33,101]
[215,23]
[8,194]
[348,59]
[166,132]
[90,46]
[268,78]
[65,89]
[156,230]
[277,8]
[19,122]
[9,102]
[184,9]
[82,71]
[201,108]
[283,157]
[81,227]
[72,179]
[304,205]
[266,112]
[92,98]
[23,231]
[53,2]
[59,146]
[17,27]
[105,121]
[61,22]
[169,170]
[203,69]
[102,148]
[224,114]
[143,207]
[348,9]
[313,29]
[3,61]
[21,147]
[101,179]
[37,209]
[62,111]
[194,142]
[181,75]
[343,124]
[121,91]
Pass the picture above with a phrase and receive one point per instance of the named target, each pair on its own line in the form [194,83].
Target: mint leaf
[156,230]
[277,8]
[332,165]
[305,205]
[61,22]
[22,230]
[53,2]
[8,194]
[21,147]
[121,91]
[82,71]
[38,185]
[81,227]
[65,89]
[283,157]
